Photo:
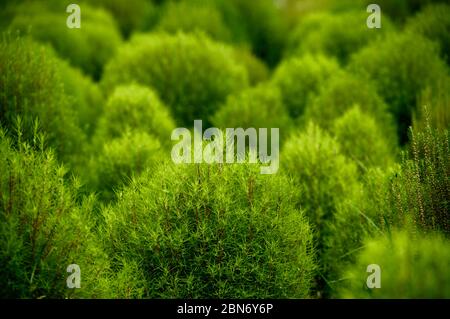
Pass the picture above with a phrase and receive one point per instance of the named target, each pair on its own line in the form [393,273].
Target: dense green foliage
[341,92]
[47,23]
[135,107]
[411,268]
[336,35]
[401,9]
[84,95]
[422,191]
[401,67]
[259,23]
[87,118]
[121,158]
[43,227]
[300,78]
[434,23]
[212,231]
[258,107]
[434,108]
[191,73]
[326,180]
[31,87]
[130,15]
[257,70]
[362,140]
[190,16]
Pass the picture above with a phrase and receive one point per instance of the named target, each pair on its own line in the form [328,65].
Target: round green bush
[31,87]
[362,139]
[135,107]
[257,70]
[411,266]
[88,48]
[188,16]
[192,74]
[340,93]
[258,107]
[401,67]
[326,181]
[212,231]
[131,15]
[45,225]
[433,22]
[299,79]
[333,34]
[120,159]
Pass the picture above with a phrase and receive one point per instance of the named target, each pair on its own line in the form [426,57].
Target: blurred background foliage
[86,118]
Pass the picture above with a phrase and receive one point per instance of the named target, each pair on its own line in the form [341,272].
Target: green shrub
[43,229]
[411,267]
[299,79]
[212,231]
[335,35]
[47,24]
[340,93]
[256,69]
[258,107]
[31,88]
[120,159]
[433,22]
[192,74]
[326,181]
[189,16]
[85,96]
[376,202]
[131,15]
[422,191]
[135,107]
[362,139]
[414,194]
[401,67]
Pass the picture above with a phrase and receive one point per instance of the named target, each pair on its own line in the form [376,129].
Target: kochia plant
[44,228]
[211,231]
[135,107]
[31,87]
[299,79]
[326,181]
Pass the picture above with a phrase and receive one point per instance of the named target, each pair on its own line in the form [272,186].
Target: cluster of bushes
[131,135]
[86,177]
[401,67]
[335,35]
[191,73]
[46,23]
